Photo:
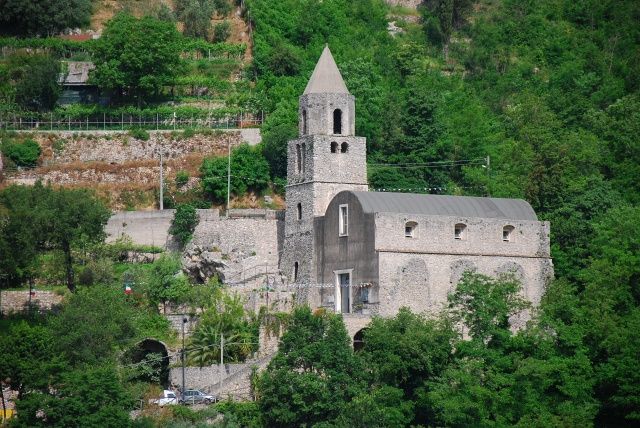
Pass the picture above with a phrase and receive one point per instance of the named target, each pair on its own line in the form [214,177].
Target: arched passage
[153,355]
[358,340]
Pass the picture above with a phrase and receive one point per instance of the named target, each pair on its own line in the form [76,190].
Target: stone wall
[143,227]
[482,236]
[229,381]
[18,301]
[148,227]
[421,282]
[413,4]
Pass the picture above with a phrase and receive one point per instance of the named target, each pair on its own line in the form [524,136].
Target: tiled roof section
[444,205]
[77,73]
[326,78]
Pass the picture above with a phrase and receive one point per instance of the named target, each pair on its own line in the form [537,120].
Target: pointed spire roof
[326,78]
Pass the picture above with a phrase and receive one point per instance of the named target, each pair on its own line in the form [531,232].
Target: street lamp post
[184,321]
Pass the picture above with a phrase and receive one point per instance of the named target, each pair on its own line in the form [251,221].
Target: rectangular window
[298,158]
[343,220]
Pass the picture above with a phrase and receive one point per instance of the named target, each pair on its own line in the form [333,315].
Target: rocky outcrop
[202,263]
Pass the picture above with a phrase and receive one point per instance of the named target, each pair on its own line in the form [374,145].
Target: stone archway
[155,355]
[358,340]
[458,268]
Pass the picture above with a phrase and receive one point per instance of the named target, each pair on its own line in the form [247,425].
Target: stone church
[364,253]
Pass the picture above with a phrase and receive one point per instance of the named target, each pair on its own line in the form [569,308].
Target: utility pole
[228,173]
[161,183]
[221,357]
[489,175]
[184,321]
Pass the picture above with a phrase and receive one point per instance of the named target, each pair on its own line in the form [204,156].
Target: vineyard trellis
[57,122]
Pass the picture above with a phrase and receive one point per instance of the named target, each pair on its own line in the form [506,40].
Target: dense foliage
[249,171]
[184,222]
[43,18]
[40,219]
[224,321]
[21,153]
[30,81]
[136,57]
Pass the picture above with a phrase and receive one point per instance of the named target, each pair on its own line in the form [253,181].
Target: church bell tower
[324,160]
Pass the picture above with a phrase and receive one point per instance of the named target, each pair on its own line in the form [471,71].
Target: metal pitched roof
[326,78]
[444,205]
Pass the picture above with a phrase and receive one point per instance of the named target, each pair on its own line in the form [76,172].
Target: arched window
[295,271]
[299,211]
[358,340]
[334,147]
[507,233]
[410,229]
[298,158]
[304,122]
[344,148]
[337,121]
[460,231]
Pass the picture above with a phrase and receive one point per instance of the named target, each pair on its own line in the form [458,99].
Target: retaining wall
[18,301]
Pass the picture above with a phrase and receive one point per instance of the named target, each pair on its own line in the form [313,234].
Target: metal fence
[106,122]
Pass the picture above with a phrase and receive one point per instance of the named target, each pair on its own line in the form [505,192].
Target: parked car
[193,396]
[169,398]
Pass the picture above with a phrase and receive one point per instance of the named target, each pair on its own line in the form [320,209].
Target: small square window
[460,231]
[410,229]
[507,233]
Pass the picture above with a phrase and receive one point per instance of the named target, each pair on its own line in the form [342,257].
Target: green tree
[313,374]
[34,78]
[88,397]
[406,350]
[223,317]
[222,31]
[484,304]
[277,131]
[43,18]
[249,170]
[136,57]
[611,302]
[30,360]
[94,324]
[22,227]
[74,218]
[196,15]
[166,283]
[184,223]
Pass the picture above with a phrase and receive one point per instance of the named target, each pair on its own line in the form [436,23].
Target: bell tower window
[304,123]
[337,121]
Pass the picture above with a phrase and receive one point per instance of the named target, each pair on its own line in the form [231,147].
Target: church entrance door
[344,292]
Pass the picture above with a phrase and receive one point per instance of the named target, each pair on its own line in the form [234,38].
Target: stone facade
[326,159]
[18,301]
[405,251]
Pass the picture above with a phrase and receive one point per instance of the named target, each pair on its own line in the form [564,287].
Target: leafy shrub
[184,222]
[188,133]
[182,178]
[58,145]
[22,154]
[221,31]
[139,134]
[222,7]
